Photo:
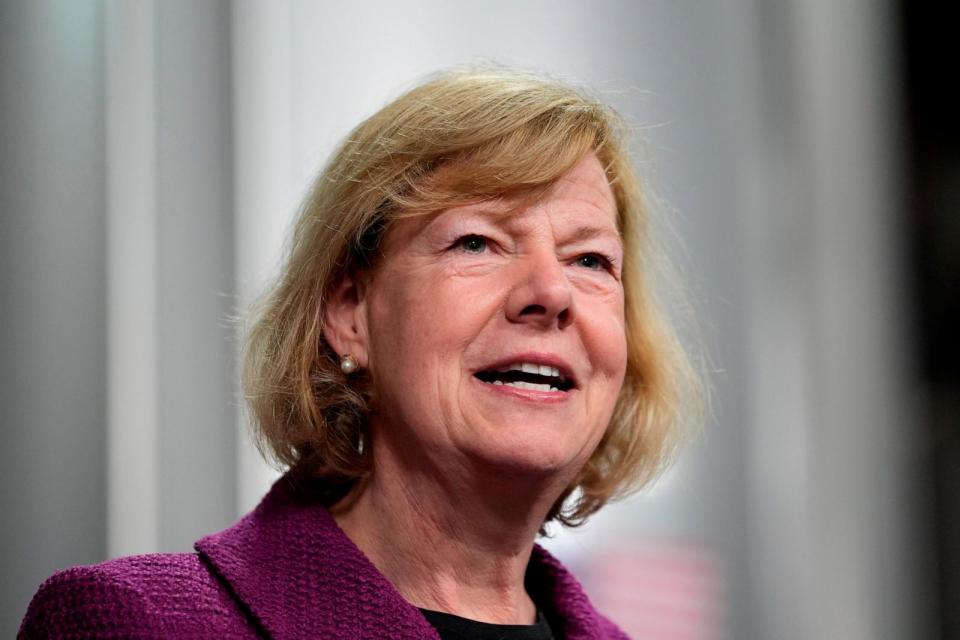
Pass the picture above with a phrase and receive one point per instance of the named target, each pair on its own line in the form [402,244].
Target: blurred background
[805,155]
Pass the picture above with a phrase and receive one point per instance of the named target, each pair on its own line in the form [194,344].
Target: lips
[536,372]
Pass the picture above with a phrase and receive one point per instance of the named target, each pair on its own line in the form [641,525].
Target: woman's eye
[472,244]
[593,261]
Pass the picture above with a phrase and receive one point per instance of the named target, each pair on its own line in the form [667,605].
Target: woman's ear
[345,322]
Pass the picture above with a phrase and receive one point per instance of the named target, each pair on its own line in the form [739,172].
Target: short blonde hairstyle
[492,132]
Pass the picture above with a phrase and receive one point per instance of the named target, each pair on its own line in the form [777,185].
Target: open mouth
[525,375]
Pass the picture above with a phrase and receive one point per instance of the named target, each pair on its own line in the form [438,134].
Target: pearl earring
[348,364]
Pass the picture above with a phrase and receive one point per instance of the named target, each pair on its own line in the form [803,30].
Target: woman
[462,348]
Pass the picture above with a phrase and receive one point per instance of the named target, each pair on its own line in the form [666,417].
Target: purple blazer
[286,570]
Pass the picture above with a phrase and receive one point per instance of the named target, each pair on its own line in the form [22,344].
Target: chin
[534,455]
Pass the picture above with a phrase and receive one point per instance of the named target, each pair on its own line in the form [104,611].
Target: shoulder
[152,595]
[564,601]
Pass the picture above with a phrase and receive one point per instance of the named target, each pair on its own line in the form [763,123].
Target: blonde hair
[460,137]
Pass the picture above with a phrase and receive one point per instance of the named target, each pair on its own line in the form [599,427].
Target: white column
[133,497]
[831,517]
[863,514]
[264,194]
[171,283]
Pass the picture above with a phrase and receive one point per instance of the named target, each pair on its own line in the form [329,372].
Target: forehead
[585,183]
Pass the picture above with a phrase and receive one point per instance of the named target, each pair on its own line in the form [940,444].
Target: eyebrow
[587,232]
[502,217]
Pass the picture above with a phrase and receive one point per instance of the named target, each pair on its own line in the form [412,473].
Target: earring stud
[348,364]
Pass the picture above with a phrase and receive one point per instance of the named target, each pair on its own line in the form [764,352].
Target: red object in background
[658,589]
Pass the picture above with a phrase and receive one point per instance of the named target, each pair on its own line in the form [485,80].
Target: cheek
[605,339]
[607,346]
[421,325]
[393,318]
[397,363]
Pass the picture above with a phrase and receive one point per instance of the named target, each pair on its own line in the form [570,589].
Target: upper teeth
[529,367]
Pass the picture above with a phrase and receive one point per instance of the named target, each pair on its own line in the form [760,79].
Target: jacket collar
[300,576]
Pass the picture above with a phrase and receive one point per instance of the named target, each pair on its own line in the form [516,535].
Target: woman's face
[473,312]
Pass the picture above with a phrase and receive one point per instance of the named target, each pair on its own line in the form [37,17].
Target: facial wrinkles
[415,264]
[551,231]
[601,298]
[610,292]
[410,274]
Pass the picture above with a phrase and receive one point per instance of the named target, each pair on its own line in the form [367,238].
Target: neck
[453,539]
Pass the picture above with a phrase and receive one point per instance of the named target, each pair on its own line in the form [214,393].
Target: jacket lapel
[293,568]
[563,601]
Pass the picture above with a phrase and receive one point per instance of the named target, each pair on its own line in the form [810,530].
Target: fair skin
[468,462]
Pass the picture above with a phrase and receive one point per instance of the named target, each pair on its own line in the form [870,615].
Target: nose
[541,295]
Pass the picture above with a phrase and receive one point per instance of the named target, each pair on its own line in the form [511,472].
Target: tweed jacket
[284,571]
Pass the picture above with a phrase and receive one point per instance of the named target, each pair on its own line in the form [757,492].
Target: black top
[453,627]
